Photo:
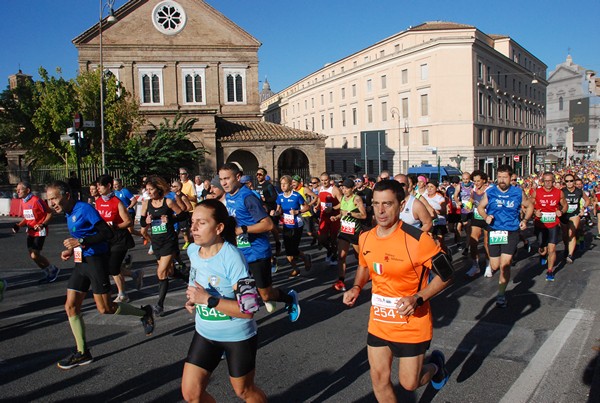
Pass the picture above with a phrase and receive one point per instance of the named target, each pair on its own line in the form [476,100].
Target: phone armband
[442,266]
[247,295]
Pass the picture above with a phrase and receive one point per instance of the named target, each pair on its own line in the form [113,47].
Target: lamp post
[110,19]
[396,112]
[407,145]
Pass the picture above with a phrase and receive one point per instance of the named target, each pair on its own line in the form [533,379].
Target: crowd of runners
[403,231]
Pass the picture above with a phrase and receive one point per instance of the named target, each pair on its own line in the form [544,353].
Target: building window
[480,70]
[425,137]
[424,71]
[560,104]
[343,118]
[370,113]
[355,141]
[480,104]
[312,102]
[331,120]
[322,99]
[354,116]
[330,96]
[397,48]
[384,111]
[480,138]
[322,122]
[369,85]
[193,86]
[500,109]
[489,106]
[424,105]
[489,74]
[353,90]
[383,82]
[343,93]
[405,108]
[490,137]
[306,104]
[151,85]
[405,76]
[235,86]
[332,162]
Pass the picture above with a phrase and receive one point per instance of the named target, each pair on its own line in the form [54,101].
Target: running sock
[163,287]
[283,297]
[128,309]
[78,329]
[341,279]
[502,288]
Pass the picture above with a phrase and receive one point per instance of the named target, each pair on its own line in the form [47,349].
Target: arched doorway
[246,160]
[293,162]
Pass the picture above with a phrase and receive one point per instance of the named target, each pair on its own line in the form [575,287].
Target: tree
[160,152]
[17,107]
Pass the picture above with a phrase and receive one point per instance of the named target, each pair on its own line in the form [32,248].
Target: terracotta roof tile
[229,131]
[434,25]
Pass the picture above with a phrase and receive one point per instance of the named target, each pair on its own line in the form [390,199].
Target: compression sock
[78,329]
[283,297]
[502,288]
[128,309]
[163,287]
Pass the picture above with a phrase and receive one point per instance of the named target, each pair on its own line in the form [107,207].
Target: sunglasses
[569,181]
[183,173]
[259,174]
[314,183]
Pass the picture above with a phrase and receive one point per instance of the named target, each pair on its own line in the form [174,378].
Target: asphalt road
[539,349]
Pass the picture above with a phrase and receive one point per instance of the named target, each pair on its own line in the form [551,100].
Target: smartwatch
[213,302]
[244,229]
[81,241]
[419,300]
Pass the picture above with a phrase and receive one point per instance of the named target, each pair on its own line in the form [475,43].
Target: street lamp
[396,112]
[110,19]
[407,145]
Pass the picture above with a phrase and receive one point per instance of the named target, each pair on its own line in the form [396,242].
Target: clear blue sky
[299,37]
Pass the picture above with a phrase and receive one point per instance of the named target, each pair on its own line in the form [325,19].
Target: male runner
[329,205]
[571,220]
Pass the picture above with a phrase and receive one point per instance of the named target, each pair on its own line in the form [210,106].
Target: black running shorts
[261,272]
[509,248]
[35,242]
[399,349]
[93,271]
[240,355]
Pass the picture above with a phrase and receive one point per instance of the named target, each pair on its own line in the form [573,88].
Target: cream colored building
[475,100]
[184,57]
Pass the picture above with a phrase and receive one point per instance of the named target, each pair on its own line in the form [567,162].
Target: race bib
[158,227]
[28,214]
[348,227]
[325,205]
[572,208]
[243,241]
[548,217]
[385,309]
[78,255]
[288,219]
[211,314]
[498,237]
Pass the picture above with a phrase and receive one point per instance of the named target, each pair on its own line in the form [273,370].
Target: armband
[247,295]
[143,222]
[442,266]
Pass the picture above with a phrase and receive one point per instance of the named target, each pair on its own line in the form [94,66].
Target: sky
[300,37]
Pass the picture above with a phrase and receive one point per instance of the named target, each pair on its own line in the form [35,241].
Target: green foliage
[17,107]
[159,153]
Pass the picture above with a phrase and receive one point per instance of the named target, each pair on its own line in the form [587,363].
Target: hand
[407,305]
[523,225]
[538,213]
[66,254]
[190,306]
[489,219]
[333,218]
[71,243]
[196,294]
[148,219]
[558,213]
[351,296]
[272,213]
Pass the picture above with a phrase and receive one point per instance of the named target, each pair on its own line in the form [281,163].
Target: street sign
[517,158]
[89,123]
[77,120]
[65,137]
[539,159]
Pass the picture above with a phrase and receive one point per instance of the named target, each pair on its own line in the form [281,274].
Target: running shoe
[333,262]
[550,276]
[440,378]
[127,263]
[274,265]
[270,306]
[474,270]
[488,271]
[185,246]
[543,261]
[158,310]
[123,298]
[339,286]
[148,320]
[569,259]
[3,287]
[327,259]
[294,308]
[308,262]
[138,278]
[294,273]
[501,301]
[76,359]
[150,250]
[145,242]
[52,273]
[597,236]
[44,278]
[527,246]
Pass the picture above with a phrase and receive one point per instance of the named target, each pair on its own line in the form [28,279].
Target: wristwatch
[244,229]
[419,300]
[213,302]
[81,241]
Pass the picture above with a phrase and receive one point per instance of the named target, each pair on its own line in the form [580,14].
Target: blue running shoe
[501,301]
[543,261]
[440,378]
[294,308]
[549,276]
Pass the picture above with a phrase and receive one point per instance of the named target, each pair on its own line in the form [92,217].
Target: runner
[189,189]
[161,213]
[414,211]
[129,200]
[223,299]
[36,216]
[398,258]
[329,202]
[462,197]
[514,181]
[366,194]
[550,205]
[438,202]
[93,194]
[115,214]
[500,207]
[352,212]
[253,225]
[571,220]
[268,196]
[290,205]
[478,225]
[88,245]
[453,217]
[311,200]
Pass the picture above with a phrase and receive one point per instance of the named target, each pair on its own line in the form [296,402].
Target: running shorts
[93,271]
[291,240]
[240,355]
[261,272]
[509,248]
[35,242]
[399,349]
[548,235]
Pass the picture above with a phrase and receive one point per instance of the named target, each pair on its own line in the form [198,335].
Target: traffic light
[84,147]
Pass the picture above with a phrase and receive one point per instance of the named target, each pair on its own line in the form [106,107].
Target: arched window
[560,104]
[235,85]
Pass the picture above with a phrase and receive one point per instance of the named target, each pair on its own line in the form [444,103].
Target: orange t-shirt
[395,265]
